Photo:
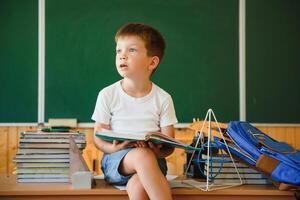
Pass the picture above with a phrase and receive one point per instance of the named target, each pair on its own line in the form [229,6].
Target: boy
[136,105]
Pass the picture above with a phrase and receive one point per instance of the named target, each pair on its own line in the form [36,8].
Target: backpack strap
[284,186]
[267,165]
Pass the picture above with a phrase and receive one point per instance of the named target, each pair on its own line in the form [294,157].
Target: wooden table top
[9,187]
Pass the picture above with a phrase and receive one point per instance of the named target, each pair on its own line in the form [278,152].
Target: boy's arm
[162,151]
[104,146]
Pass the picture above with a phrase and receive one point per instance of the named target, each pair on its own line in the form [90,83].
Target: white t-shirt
[125,113]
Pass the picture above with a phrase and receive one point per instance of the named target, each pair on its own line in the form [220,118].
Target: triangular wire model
[208,185]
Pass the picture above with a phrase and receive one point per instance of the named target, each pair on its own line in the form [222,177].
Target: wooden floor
[10,190]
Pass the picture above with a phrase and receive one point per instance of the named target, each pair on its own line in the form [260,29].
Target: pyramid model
[213,158]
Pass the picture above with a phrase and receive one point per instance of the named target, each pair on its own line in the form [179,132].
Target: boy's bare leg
[143,162]
[135,189]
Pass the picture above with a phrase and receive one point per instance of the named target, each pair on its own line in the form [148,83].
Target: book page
[123,136]
[157,135]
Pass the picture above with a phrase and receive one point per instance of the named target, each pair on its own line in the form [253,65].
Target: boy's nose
[123,56]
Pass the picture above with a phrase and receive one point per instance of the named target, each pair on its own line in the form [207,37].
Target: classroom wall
[9,137]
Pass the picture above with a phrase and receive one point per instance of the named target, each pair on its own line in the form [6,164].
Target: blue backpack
[277,160]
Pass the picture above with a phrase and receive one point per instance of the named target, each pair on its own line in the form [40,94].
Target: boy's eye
[118,51]
[132,49]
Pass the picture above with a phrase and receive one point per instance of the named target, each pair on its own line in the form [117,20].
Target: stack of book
[222,170]
[44,157]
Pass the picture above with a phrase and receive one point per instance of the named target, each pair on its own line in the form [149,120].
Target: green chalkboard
[273,65]
[200,67]
[18,60]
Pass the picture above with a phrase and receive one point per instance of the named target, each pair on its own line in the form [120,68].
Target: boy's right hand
[117,145]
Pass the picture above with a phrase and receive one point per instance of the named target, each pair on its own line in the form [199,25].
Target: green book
[57,129]
[156,138]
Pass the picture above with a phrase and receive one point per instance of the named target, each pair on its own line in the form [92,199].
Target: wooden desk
[10,190]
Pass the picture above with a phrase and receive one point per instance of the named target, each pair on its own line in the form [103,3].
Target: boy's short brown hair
[154,41]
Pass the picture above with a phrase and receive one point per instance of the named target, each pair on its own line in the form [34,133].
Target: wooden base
[10,190]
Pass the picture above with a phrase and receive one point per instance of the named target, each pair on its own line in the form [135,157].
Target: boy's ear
[154,62]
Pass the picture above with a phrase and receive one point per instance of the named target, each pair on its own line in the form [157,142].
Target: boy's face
[132,60]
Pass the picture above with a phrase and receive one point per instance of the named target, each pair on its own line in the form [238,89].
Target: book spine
[36,180]
[38,160]
[39,170]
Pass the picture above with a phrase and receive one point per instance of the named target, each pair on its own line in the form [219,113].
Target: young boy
[136,105]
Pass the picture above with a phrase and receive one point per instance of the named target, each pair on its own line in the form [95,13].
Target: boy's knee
[143,154]
[142,157]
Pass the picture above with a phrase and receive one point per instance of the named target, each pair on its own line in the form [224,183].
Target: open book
[156,138]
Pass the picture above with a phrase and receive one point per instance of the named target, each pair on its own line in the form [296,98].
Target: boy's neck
[136,88]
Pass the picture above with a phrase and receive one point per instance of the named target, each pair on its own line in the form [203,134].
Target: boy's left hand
[156,148]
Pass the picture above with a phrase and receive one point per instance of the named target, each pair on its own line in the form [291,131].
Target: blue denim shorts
[110,167]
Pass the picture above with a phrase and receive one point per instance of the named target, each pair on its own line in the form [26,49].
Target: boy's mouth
[123,66]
